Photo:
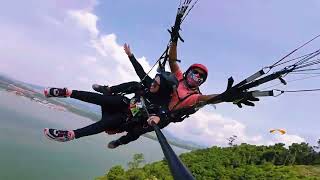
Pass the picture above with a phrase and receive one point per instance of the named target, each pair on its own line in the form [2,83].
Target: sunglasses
[194,71]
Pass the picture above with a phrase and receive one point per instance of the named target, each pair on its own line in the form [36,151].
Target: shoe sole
[47,135]
[46,92]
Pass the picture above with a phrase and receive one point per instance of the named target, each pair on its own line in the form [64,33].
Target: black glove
[237,96]
[246,101]
[231,93]
[175,29]
[174,34]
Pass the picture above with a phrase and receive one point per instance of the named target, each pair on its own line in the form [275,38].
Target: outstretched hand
[246,101]
[127,49]
[237,96]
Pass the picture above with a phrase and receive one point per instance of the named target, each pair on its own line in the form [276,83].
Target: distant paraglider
[281,131]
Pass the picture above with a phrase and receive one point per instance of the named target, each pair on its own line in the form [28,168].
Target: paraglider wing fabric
[281,131]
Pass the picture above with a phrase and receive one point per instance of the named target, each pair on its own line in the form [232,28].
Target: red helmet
[200,66]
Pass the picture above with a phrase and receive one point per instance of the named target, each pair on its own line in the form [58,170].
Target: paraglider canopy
[281,131]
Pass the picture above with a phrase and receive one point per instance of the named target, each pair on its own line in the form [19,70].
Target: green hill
[299,161]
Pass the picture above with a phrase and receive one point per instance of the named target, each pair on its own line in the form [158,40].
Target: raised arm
[174,67]
[137,66]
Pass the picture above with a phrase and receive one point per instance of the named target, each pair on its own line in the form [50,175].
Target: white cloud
[107,47]
[211,129]
[63,46]
[86,20]
[287,139]
[83,80]
[52,20]
[88,60]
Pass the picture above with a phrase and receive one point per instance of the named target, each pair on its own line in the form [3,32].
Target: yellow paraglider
[281,131]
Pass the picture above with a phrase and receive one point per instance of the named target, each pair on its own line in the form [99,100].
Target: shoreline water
[27,154]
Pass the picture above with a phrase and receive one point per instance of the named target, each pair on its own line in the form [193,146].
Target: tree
[116,173]
[231,139]
[137,160]
[243,161]
[317,147]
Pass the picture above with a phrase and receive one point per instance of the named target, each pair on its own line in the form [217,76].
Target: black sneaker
[59,135]
[56,92]
[114,144]
[105,90]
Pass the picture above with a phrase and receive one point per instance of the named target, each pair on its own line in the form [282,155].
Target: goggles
[201,75]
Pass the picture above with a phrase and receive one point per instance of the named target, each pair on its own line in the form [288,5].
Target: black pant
[114,112]
[135,132]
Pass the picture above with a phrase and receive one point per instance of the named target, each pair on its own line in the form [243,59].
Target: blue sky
[78,43]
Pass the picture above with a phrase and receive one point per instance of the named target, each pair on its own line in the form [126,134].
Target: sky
[77,43]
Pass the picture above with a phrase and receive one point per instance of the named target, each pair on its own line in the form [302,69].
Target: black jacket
[160,99]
